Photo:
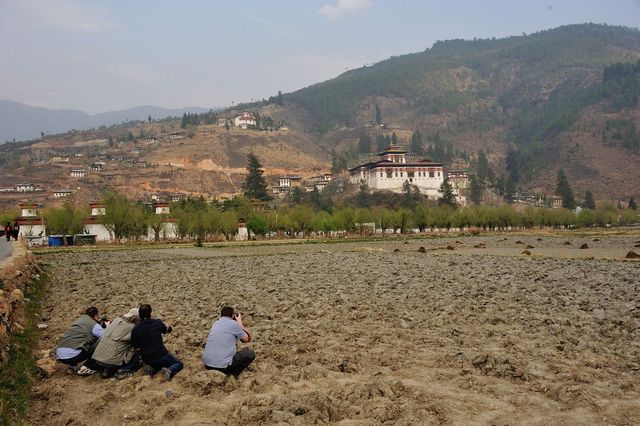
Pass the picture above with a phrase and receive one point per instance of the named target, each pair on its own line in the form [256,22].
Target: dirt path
[361,334]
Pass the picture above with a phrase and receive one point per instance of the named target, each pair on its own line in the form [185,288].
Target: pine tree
[363,198]
[589,202]
[416,143]
[255,186]
[280,99]
[149,118]
[564,191]
[448,197]
[364,143]
[394,138]
[482,167]
[185,121]
[381,142]
[632,204]
[475,189]
[378,115]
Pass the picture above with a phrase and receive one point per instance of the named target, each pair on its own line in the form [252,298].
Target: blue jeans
[170,361]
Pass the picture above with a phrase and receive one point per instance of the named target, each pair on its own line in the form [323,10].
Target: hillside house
[61,193]
[392,171]
[30,221]
[60,159]
[290,181]
[319,182]
[97,167]
[244,120]
[150,141]
[459,179]
[174,136]
[25,187]
[77,173]
[223,122]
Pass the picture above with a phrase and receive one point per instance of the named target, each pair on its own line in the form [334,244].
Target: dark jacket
[147,336]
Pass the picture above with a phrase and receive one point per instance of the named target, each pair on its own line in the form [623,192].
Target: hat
[133,312]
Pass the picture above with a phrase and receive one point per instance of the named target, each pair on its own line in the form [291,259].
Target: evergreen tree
[363,198]
[280,99]
[632,204]
[448,197]
[185,121]
[338,163]
[416,143]
[563,189]
[394,138]
[509,189]
[475,190]
[589,202]
[482,167]
[149,118]
[255,185]
[364,143]
[381,142]
[378,114]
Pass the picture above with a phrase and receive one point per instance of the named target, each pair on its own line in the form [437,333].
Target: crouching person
[80,340]
[220,350]
[114,353]
[147,336]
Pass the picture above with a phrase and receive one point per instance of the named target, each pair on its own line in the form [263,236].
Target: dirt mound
[584,246]
[526,252]
[632,255]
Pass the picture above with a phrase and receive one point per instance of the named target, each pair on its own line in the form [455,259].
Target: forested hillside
[523,99]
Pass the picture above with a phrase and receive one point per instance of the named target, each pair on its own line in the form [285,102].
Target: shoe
[105,374]
[123,374]
[85,371]
[166,374]
[148,370]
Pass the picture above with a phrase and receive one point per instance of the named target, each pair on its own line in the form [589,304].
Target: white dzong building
[392,171]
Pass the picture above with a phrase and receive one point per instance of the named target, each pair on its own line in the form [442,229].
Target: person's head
[92,312]
[145,311]
[227,311]
[133,316]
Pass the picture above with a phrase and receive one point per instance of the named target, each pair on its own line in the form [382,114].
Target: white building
[25,187]
[31,224]
[289,181]
[244,120]
[392,171]
[77,173]
[62,193]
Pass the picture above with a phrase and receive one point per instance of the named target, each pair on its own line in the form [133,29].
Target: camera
[103,322]
[236,315]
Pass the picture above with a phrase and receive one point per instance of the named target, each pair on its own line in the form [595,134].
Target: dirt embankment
[15,275]
[365,333]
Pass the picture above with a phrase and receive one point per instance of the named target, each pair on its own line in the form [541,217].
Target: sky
[99,56]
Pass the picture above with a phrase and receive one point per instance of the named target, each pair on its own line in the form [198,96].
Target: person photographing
[220,351]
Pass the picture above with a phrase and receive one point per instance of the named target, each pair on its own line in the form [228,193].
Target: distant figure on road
[16,230]
[147,336]
[8,230]
[220,350]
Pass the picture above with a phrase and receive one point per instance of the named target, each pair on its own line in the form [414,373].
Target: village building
[393,170]
[60,159]
[150,141]
[93,224]
[25,187]
[77,173]
[459,179]
[61,193]
[174,136]
[30,221]
[319,182]
[97,167]
[244,120]
[290,181]
[223,122]
[175,197]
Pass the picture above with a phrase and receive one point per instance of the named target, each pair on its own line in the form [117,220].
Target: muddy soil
[366,333]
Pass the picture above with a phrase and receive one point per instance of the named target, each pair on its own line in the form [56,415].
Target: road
[5,248]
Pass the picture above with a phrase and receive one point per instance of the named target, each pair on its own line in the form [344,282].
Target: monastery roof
[389,164]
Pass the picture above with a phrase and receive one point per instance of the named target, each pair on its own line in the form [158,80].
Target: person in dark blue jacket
[147,336]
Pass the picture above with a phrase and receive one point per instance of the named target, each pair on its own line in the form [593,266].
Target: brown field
[359,333]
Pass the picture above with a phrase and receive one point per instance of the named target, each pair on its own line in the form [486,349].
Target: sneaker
[85,371]
[123,374]
[148,370]
[166,374]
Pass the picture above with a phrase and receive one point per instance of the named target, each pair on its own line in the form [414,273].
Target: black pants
[241,360]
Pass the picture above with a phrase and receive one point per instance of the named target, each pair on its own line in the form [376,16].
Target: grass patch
[18,374]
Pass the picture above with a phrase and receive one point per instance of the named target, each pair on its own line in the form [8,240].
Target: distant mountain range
[20,121]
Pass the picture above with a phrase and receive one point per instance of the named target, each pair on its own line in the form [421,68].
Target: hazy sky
[104,55]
